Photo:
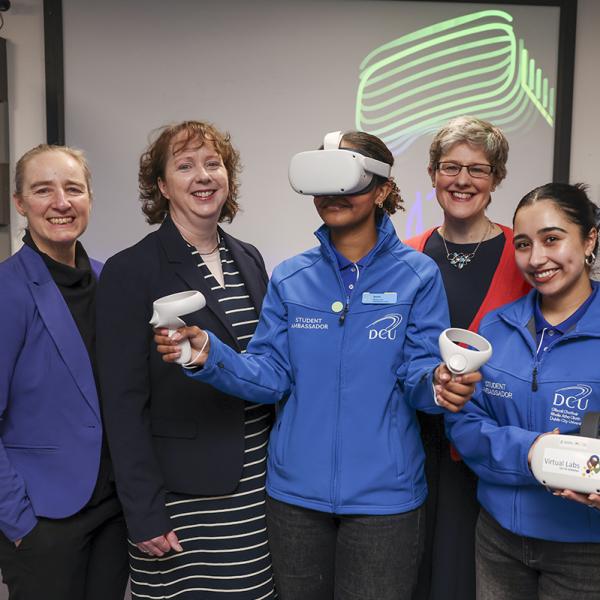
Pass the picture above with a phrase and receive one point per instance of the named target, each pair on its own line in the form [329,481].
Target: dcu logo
[573,397]
[385,327]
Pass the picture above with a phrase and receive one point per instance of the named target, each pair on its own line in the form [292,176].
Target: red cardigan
[507,283]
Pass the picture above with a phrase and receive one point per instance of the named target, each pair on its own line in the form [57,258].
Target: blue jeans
[513,567]
[324,556]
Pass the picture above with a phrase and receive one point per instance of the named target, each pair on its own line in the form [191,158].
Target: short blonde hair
[75,154]
[475,132]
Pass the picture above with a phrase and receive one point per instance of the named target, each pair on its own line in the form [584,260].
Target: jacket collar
[386,239]
[59,322]
[179,256]
[521,313]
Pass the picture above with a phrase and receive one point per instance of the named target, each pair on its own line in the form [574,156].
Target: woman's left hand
[452,392]
[591,500]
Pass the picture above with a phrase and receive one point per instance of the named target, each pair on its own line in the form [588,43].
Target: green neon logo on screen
[471,64]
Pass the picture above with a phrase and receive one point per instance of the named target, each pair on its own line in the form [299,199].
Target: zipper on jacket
[534,382]
[345,311]
[336,441]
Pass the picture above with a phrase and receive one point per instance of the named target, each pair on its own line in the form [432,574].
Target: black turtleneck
[78,287]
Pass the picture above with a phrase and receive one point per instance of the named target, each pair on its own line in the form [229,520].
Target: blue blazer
[50,427]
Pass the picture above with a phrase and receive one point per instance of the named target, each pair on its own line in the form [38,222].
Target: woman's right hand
[168,346]
[160,545]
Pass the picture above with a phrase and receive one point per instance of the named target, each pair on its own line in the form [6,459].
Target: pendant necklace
[460,259]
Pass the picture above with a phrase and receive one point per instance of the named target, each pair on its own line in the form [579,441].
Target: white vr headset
[332,171]
[570,462]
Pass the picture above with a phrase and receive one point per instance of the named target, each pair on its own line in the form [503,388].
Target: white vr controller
[167,313]
[570,462]
[460,359]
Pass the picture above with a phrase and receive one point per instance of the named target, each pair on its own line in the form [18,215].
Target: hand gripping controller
[167,312]
[570,462]
[459,359]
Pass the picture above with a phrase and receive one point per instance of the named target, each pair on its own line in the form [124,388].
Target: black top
[466,288]
[78,287]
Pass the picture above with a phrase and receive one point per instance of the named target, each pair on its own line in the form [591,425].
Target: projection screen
[279,75]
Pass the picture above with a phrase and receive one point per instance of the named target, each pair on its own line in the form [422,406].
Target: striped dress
[224,539]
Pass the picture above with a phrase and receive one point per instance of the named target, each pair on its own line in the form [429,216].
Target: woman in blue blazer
[62,533]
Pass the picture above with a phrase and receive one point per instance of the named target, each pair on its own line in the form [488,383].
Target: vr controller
[570,462]
[333,171]
[167,313]
[462,359]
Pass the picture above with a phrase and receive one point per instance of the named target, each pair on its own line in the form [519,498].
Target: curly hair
[373,147]
[73,153]
[476,132]
[172,139]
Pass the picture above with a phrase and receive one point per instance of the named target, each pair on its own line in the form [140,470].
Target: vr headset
[334,172]
[570,462]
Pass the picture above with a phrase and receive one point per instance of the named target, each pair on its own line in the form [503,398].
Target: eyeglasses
[452,169]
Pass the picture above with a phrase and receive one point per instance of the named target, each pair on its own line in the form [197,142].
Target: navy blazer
[50,427]
[166,432]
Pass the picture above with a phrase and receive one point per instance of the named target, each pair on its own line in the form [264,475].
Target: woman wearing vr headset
[543,377]
[189,460]
[347,349]
[467,161]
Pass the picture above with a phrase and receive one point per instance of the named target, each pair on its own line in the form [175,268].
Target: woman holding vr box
[347,350]
[543,377]
[467,161]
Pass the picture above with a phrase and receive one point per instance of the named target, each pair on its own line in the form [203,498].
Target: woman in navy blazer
[189,460]
[62,533]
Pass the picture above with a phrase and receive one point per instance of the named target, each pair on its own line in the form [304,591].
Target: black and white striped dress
[224,539]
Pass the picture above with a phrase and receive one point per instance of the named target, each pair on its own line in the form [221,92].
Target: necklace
[460,259]
[213,250]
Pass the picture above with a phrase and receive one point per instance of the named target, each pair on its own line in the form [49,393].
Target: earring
[589,260]
[379,204]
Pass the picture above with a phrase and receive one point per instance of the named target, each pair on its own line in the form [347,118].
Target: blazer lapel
[182,261]
[61,327]
[252,273]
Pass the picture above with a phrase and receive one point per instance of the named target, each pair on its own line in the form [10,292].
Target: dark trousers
[513,567]
[322,556]
[83,557]
[448,568]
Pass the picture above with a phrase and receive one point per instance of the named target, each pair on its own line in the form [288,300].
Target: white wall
[24,31]
[585,143]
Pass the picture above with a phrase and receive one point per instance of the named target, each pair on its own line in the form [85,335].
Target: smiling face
[55,200]
[351,213]
[195,184]
[463,197]
[550,251]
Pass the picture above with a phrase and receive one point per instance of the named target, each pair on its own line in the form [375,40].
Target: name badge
[381,298]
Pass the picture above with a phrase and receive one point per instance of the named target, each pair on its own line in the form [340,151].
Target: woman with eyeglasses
[467,161]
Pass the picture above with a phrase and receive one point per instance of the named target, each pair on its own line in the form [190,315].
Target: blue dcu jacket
[347,375]
[524,394]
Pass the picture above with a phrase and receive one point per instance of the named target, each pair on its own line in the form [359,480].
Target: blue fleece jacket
[347,375]
[521,396]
